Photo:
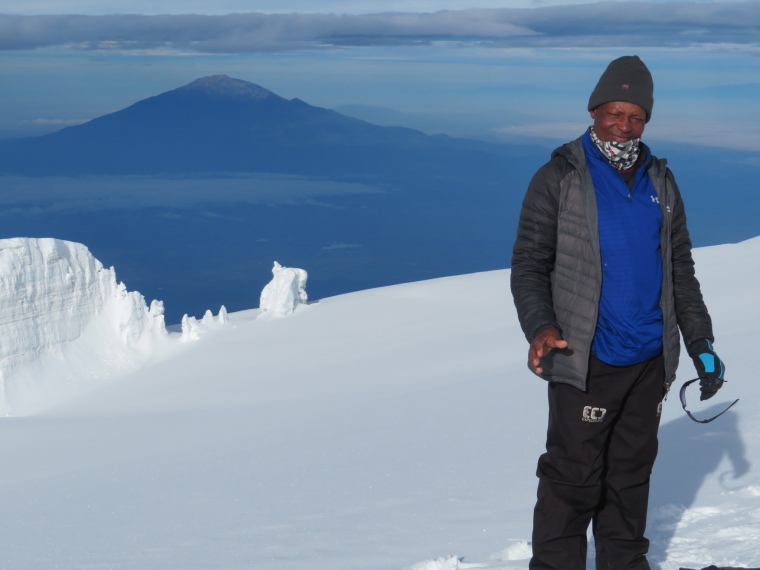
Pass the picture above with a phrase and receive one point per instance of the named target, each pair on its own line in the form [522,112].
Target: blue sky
[527,67]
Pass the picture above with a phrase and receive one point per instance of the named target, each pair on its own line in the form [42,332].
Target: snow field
[391,428]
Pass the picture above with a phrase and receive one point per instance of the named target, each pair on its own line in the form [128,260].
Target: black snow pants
[600,448]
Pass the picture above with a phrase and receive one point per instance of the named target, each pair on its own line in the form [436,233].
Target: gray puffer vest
[556,265]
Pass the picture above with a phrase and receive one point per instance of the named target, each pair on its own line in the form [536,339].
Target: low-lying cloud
[584,25]
[21,194]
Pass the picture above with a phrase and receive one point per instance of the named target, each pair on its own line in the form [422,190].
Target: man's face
[618,121]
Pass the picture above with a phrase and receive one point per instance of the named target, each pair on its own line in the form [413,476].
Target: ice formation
[65,322]
[65,319]
[192,328]
[285,291]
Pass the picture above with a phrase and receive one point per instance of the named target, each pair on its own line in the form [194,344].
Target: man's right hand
[546,341]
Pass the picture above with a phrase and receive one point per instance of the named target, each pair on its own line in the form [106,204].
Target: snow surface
[395,428]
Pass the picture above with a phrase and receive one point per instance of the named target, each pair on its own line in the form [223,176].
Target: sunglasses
[683,403]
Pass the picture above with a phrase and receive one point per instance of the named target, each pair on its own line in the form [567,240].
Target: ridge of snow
[53,292]
[67,325]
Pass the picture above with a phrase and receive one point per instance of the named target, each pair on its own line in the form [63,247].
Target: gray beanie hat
[625,79]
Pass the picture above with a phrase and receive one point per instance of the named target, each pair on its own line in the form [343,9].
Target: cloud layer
[585,25]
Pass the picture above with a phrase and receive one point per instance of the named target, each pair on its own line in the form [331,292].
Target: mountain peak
[229,88]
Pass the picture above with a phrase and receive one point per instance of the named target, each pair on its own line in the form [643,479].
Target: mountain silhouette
[221,124]
[430,205]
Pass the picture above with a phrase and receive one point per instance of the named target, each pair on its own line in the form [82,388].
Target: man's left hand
[710,368]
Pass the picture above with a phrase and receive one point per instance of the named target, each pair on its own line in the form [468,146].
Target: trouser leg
[620,521]
[571,472]
[560,519]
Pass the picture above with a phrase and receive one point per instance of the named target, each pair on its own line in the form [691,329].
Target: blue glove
[709,367]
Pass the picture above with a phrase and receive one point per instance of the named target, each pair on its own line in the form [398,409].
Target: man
[603,278]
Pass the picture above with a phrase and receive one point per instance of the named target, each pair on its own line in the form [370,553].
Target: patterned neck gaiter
[622,156]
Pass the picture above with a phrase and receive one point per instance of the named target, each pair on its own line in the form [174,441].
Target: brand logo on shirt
[655,199]
[594,415]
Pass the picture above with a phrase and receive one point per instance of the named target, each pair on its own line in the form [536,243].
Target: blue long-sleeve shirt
[630,325]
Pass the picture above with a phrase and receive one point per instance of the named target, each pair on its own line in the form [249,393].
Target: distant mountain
[429,206]
[221,124]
